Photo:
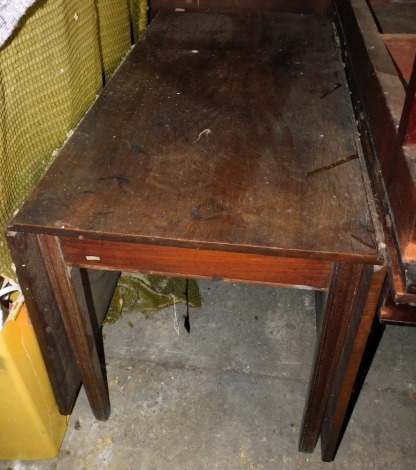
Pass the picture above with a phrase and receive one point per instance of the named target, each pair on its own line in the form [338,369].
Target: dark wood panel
[346,301]
[405,171]
[402,188]
[290,6]
[379,96]
[197,263]
[407,129]
[320,301]
[231,143]
[397,16]
[382,98]
[100,286]
[371,67]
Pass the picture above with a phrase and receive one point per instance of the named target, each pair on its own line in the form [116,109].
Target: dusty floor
[230,395]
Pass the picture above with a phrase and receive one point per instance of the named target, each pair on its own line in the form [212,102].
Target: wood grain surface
[290,6]
[221,130]
[198,263]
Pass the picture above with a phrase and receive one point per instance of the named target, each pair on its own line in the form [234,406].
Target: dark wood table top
[225,130]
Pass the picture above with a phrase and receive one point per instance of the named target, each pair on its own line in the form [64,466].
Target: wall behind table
[51,70]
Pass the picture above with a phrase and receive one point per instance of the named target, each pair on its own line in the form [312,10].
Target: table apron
[198,263]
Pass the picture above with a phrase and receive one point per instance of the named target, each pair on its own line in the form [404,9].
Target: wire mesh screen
[51,70]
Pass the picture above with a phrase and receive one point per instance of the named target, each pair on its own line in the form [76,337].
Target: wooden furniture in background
[379,42]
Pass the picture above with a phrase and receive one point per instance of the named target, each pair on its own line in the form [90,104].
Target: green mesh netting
[50,72]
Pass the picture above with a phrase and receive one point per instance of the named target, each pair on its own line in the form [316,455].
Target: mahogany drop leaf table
[224,147]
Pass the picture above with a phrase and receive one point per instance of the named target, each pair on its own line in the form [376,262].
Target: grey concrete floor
[230,395]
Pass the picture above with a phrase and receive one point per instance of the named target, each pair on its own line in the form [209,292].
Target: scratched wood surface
[289,6]
[225,130]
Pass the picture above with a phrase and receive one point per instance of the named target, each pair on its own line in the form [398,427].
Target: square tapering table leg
[79,325]
[348,314]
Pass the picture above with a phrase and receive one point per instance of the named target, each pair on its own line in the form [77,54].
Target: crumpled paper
[148,293]
[11,11]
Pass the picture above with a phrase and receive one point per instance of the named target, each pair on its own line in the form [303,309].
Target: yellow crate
[30,423]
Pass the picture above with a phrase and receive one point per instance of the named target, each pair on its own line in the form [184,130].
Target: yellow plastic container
[31,426]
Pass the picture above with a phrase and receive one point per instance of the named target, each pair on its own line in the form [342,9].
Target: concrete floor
[230,395]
